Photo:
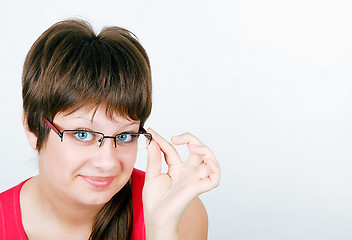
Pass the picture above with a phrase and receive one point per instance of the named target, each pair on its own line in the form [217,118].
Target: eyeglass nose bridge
[101,140]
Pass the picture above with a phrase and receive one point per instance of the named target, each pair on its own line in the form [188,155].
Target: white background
[266,84]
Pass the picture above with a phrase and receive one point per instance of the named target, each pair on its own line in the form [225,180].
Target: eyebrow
[129,123]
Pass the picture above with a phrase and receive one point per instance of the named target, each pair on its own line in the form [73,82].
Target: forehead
[96,115]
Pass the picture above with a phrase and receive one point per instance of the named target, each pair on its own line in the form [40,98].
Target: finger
[170,153]
[194,158]
[207,184]
[214,175]
[212,180]
[185,138]
[210,161]
[199,154]
[189,139]
[204,153]
[154,160]
[203,171]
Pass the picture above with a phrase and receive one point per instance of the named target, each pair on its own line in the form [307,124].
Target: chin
[96,199]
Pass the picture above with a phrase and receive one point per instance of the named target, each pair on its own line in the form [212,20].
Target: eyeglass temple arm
[148,135]
[52,126]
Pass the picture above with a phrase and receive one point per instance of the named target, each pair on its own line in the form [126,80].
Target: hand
[167,195]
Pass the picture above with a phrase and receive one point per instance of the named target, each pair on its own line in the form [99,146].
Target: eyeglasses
[129,141]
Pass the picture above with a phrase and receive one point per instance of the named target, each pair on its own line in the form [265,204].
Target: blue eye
[84,136]
[125,137]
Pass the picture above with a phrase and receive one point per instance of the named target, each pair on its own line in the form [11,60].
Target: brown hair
[70,67]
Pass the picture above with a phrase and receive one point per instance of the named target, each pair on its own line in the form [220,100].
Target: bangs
[101,71]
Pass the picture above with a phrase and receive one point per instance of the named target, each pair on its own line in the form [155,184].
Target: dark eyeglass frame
[141,131]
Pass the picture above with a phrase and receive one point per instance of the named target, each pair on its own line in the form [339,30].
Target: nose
[101,140]
[106,157]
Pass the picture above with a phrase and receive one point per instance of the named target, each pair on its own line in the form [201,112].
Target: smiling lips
[98,182]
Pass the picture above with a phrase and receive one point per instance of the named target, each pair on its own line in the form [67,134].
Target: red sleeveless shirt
[11,227]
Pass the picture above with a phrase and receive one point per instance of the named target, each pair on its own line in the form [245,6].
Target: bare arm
[194,222]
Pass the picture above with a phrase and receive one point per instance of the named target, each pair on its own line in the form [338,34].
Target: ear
[32,138]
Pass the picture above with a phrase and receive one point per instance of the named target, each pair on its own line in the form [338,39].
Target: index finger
[170,153]
[186,138]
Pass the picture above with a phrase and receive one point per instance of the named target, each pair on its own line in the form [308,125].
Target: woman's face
[86,175]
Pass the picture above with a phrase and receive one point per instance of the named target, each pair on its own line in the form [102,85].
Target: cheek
[128,159]
[57,161]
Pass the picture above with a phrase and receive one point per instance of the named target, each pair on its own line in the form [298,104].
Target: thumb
[154,160]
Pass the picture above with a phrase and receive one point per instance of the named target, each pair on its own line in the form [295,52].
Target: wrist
[155,233]
[161,230]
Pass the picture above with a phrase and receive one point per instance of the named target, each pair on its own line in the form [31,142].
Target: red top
[11,227]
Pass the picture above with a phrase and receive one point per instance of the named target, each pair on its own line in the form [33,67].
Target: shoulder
[194,221]
[8,204]
[10,197]
[10,214]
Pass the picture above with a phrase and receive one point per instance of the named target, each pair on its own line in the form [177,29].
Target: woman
[86,98]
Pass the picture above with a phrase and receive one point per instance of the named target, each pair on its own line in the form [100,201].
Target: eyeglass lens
[124,141]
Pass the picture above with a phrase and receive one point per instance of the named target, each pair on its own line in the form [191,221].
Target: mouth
[98,182]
